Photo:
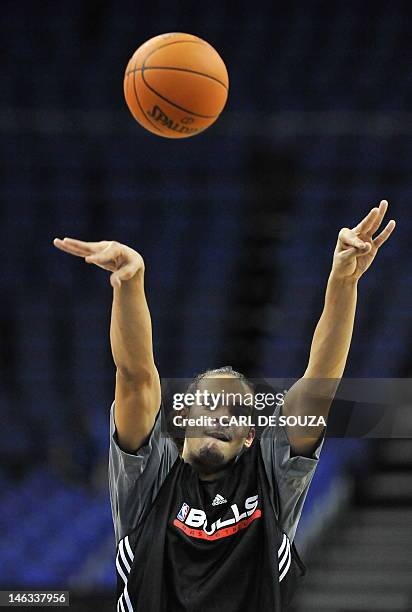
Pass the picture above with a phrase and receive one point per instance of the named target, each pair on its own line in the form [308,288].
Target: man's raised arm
[312,394]
[137,394]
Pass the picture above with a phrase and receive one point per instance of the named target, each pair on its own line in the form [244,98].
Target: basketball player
[212,530]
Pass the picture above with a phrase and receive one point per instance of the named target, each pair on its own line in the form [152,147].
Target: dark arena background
[237,227]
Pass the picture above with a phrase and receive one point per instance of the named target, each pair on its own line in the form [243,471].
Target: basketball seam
[141,108]
[185,110]
[207,76]
[178,42]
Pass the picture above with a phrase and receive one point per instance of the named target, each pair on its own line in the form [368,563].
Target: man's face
[211,448]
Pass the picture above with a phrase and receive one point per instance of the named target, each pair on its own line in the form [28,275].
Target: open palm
[110,255]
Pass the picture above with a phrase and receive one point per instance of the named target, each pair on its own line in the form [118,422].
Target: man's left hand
[356,248]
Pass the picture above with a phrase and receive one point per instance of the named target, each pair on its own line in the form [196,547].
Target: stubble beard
[208,460]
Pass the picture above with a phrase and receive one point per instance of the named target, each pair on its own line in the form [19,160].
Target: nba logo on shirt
[183,512]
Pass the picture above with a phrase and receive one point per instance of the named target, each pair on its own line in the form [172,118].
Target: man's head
[223,392]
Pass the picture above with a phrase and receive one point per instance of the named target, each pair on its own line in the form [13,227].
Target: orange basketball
[176,85]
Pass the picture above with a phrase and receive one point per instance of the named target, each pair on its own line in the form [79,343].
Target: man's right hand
[110,255]
[137,392]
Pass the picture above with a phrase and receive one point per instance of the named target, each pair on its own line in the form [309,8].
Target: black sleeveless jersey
[210,546]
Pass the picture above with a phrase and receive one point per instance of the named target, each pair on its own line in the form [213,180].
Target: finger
[383,207]
[123,274]
[348,237]
[87,247]
[115,281]
[105,256]
[364,226]
[63,246]
[385,233]
[348,254]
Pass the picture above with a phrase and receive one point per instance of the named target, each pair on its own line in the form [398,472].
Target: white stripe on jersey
[119,569]
[122,556]
[284,557]
[129,550]
[282,547]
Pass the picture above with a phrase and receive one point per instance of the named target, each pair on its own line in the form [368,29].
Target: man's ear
[184,412]
[250,437]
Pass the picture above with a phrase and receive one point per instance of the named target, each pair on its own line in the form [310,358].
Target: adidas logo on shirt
[219,499]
